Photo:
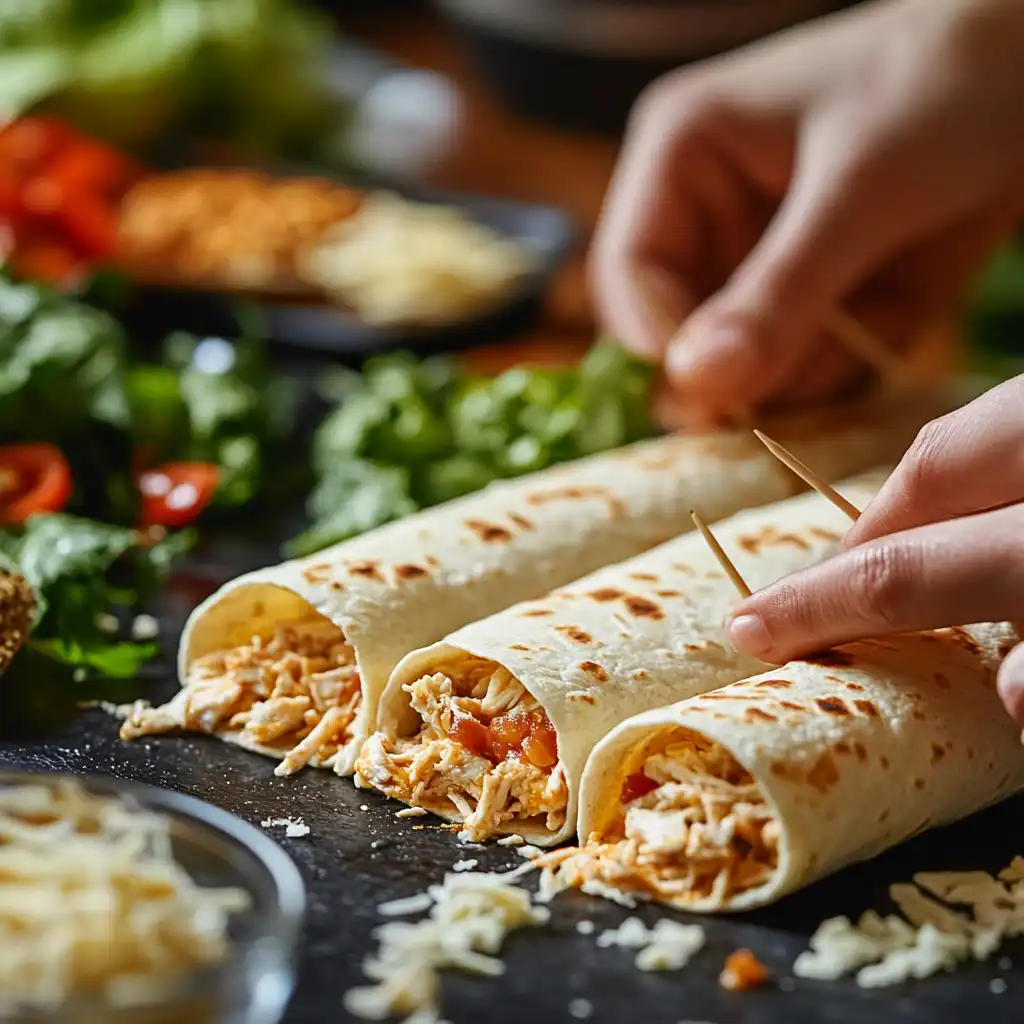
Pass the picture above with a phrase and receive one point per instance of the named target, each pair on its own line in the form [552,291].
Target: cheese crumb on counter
[465,865]
[294,828]
[668,946]
[581,1009]
[512,840]
[411,812]
[470,915]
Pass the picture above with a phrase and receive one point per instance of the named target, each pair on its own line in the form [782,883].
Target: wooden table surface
[501,154]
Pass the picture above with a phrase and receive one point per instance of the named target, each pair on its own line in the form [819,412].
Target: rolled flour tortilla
[732,799]
[492,726]
[290,661]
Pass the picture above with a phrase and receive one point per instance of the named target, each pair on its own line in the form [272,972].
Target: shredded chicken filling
[486,751]
[693,825]
[296,693]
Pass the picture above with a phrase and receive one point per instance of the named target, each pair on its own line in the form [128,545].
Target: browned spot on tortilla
[316,573]
[714,574]
[917,714]
[918,783]
[489,533]
[790,706]
[861,752]
[605,594]
[884,816]
[536,613]
[668,593]
[686,570]
[790,772]
[576,634]
[822,534]
[725,696]
[521,521]
[615,506]
[757,715]
[938,752]
[431,561]
[884,762]
[830,659]
[642,608]
[854,687]
[694,647]
[941,681]
[866,707]
[711,645]
[774,684]
[368,570]
[644,577]
[1007,645]
[639,673]
[970,753]
[823,774]
[337,586]
[768,536]
[410,572]
[593,669]
[518,647]
[842,747]
[587,698]
[963,639]
[832,706]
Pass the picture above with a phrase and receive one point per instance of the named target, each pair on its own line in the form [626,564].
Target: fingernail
[749,635]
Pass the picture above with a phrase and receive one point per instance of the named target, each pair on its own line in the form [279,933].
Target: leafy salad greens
[83,426]
[413,433]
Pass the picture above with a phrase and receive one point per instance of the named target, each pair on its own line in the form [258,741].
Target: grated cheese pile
[470,914]
[668,946]
[92,901]
[932,936]
[396,262]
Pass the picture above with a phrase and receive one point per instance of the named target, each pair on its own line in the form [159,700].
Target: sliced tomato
[29,142]
[91,167]
[175,493]
[47,261]
[91,224]
[33,478]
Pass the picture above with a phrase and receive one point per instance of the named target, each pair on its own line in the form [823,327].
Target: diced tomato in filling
[635,786]
[511,736]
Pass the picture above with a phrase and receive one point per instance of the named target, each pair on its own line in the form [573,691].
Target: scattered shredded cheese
[512,840]
[94,901]
[470,915]
[585,927]
[411,812]
[668,946]
[294,828]
[465,865]
[529,852]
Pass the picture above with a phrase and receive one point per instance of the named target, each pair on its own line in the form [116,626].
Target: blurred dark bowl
[580,64]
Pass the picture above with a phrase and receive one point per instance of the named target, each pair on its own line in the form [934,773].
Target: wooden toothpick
[868,346]
[809,476]
[723,559]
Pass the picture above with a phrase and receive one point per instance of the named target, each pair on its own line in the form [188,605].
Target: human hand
[942,544]
[867,161]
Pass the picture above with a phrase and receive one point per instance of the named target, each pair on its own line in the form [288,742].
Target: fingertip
[1010,684]
[749,634]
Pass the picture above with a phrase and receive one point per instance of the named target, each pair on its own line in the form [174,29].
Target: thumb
[835,226]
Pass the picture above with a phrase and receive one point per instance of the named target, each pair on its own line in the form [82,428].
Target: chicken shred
[704,832]
[295,694]
[432,770]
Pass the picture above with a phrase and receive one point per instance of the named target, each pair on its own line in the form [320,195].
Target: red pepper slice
[175,493]
[33,478]
[29,142]
[635,786]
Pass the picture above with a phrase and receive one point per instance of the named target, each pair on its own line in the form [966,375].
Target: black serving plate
[358,855]
[548,230]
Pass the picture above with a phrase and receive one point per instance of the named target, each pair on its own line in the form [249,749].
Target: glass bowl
[253,984]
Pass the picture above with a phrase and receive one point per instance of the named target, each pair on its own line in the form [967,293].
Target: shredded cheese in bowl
[113,910]
[401,263]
